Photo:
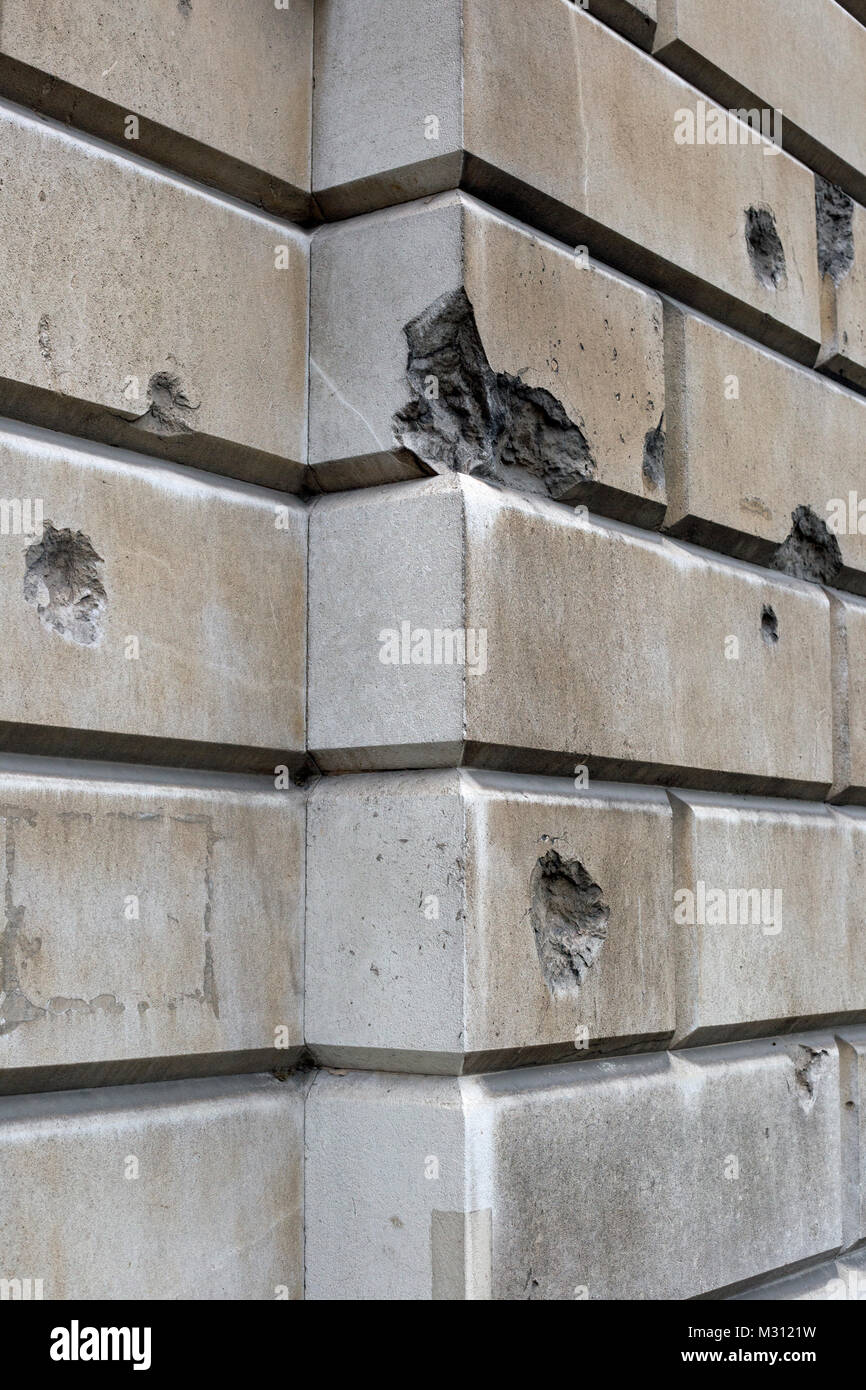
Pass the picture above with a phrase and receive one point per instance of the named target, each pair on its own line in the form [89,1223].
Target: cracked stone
[466,417]
[569,919]
[62,582]
[810,550]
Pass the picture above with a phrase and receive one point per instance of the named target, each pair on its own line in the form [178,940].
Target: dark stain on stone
[170,411]
[654,455]
[569,919]
[765,248]
[834,218]
[810,550]
[466,417]
[62,582]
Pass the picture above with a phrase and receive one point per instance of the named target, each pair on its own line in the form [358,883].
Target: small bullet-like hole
[769,625]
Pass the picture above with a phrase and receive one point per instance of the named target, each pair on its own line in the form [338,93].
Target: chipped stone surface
[843,308]
[753,438]
[453,961]
[145,922]
[170,410]
[183,1190]
[63,583]
[834,215]
[81,61]
[658,700]
[498,352]
[606,174]
[724,1147]
[766,251]
[478,421]
[569,919]
[810,550]
[155,299]
[180,599]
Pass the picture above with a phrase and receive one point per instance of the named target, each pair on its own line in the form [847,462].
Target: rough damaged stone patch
[766,251]
[170,410]
[466,417]
[569,919]
[62,582]
[769,625]
[834,217]
[810,1064]
[810,550]
[653,467]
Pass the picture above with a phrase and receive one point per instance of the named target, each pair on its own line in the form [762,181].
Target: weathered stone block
[151,612]
[220,91]
[805,86]
[842,260]
[762,457]
[485,920]
[848,646]
[486,348]
[451,621]
[149,929]
[585,1180]
[152,314]
[180,1190]
[852,1068]
[766,915]
[511,100]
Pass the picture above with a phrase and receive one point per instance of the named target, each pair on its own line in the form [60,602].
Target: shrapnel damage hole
[569,919]
[62,582]
[764,245]
[465,416]
[769,625]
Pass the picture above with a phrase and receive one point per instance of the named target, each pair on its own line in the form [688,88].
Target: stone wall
[433,695]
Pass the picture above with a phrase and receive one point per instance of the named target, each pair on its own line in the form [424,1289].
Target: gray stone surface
[152,313]
[222,91]
[161,617]
[816,61]
[511,100]
[444,335]
[852,1069]
[586,1181]
[566,660]
[485,920]
[751,439]
[149,929]
[843,303]
[767,915]
[848,645]
[181,1190]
